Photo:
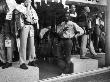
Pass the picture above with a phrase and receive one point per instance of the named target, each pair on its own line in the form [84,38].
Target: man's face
[27,3]
[73,7]
[67,16]
[100,15]
[87,9]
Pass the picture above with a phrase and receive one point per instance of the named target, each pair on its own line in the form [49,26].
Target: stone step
[101,59]
[83,65]
[15,74]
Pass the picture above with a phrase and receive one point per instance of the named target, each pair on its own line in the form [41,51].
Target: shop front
[51,14]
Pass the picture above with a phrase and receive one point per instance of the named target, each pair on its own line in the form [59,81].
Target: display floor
[48,70]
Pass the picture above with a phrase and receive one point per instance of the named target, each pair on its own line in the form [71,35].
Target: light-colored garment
[69,29]
[43,31]
[99,22]
[21,8]
[84,45]
[10,48]
[13,5]
[18,43]
[26,35]
[73,15]
[31,15]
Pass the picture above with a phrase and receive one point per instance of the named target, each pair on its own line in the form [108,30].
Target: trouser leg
[9,54]
[96,42]
[67,47]
[58,53]
[32,54]
[83,45]
[9,49]
[59,58]
[91,47]
[23,43]
[96,39]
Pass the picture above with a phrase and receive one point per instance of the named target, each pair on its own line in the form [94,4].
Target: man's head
[100,15]
[73,7]
[67,16]
[87,9]
[70,24]
[27,2]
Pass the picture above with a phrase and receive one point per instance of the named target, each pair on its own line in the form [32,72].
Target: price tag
[7,43]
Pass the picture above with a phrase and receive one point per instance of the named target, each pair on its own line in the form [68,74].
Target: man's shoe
[32,63]
[1,63]
[84,57]
[23,66]
[7,65]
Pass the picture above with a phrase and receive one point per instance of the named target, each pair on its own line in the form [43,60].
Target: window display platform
[46,70]
[15,74]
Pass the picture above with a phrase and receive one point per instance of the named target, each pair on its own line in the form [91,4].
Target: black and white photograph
[54,40]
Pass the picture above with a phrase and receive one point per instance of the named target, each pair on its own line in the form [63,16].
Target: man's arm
[73,15]
[21,8]
[79,30]
[35,18]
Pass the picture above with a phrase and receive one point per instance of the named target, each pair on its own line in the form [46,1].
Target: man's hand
[8,16]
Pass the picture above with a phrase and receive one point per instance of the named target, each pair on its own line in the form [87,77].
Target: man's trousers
[27,33]
[84,44]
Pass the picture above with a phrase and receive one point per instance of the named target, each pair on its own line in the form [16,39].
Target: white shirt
[13,5]
[33,15]
[43,31]
[21,8]
[72,27]
[73,15]
[99,22]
